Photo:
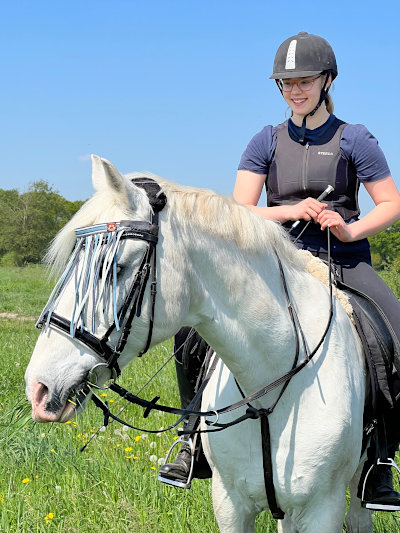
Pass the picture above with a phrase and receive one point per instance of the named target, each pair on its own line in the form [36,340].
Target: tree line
[30,220]
[385,248]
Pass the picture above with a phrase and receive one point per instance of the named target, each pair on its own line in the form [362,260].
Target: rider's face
[302,94]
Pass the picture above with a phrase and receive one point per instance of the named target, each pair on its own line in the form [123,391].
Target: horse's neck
[240,308]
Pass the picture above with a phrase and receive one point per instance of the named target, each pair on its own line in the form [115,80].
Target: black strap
[157,199]
[99,346]
[276,512]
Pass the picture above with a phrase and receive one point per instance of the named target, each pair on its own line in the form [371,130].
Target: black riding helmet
[301,56]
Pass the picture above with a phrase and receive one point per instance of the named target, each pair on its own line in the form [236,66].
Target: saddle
[381,348]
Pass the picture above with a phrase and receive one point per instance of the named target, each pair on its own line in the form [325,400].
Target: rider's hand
[333,221]
[307,209]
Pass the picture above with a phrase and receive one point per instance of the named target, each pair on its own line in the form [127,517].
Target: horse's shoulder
[319,270]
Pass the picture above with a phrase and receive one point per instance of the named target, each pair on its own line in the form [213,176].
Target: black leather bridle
[132,306]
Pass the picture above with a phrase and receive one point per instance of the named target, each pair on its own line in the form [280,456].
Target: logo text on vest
[325,153]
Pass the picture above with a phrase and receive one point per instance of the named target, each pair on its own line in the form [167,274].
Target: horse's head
[107,257]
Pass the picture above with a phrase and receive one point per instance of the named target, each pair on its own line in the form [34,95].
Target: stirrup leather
[379,506]
[174,482]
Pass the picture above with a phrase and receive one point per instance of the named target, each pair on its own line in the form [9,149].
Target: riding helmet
[304,55]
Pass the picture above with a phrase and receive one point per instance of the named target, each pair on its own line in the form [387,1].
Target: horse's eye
[118,269]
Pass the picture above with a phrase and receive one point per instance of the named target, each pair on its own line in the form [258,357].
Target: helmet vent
[291,55]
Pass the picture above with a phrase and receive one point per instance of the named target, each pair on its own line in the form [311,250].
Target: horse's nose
[40,405]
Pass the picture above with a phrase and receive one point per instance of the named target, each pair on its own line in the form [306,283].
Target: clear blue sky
[174,87]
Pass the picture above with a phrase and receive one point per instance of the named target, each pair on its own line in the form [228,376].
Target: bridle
[132,306]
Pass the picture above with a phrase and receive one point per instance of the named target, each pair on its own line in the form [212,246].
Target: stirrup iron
[177,483]
[374,506]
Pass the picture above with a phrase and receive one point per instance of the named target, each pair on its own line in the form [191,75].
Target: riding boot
[379,493]
[179,473]
[189,358]
[376,487]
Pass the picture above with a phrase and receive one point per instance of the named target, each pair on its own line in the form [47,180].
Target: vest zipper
[305,168]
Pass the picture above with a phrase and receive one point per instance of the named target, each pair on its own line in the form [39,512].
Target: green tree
[9,207]
[385,247]
[32,220]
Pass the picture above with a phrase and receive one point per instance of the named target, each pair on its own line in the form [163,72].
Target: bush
[11,259]
[392,279]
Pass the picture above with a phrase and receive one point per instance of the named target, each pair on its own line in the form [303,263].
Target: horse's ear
[98,174]
[106,176]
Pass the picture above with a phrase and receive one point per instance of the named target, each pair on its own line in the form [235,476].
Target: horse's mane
[204,209]
[224,217]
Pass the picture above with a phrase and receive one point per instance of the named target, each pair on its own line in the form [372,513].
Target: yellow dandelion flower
[2,500]
[104,395]
[152,468]
[128,457]
[137,438]
[26,480]
[52,450]
[129,449]
[111,401]
[136,457]
[51,516]
[68,422]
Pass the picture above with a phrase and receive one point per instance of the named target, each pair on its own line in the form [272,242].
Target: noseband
[132,306]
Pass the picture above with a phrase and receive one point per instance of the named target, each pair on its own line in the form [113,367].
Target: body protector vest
[299,171]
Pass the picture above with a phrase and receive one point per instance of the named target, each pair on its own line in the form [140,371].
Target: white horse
[217,271]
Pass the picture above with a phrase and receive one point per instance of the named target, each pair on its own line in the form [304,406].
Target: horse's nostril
[41,393]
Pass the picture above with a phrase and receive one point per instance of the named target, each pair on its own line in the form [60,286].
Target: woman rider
[296,161]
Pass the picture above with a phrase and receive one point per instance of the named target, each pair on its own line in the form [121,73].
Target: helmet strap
[279,87]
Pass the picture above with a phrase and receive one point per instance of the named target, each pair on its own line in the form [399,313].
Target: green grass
[112,485]
[23,290]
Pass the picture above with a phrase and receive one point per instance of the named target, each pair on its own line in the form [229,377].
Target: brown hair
[329,103]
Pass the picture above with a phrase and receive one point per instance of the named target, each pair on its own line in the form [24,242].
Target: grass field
[47,484]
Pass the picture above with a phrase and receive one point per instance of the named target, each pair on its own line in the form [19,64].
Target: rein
[251,411]
[148,231]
